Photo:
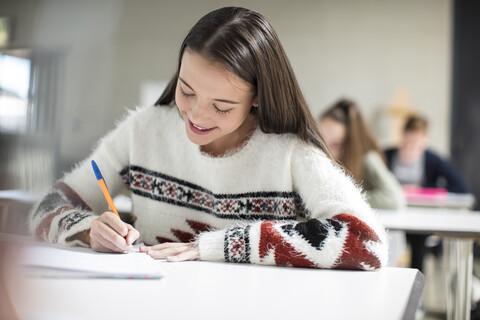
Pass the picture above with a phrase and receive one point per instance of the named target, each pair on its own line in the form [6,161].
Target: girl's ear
[255,102]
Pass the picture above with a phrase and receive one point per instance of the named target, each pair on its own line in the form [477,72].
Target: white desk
[458,228]
[207,290]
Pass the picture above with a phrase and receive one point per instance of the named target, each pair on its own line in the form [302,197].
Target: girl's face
[334,133]
[214,104]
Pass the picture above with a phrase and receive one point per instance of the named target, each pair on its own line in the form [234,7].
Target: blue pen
[101,181]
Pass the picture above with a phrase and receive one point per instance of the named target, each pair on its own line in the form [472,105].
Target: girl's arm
[66,213]
[341,231]
[62,216]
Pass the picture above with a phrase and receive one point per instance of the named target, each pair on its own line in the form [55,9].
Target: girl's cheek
[179,99]
[181,103]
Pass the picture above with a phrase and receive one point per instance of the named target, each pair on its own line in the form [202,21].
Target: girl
[354,146]
[227,166]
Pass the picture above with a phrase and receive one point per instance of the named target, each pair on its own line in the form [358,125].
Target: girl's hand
[173,251]
[110,234]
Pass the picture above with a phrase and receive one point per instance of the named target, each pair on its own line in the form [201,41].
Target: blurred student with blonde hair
[352,144]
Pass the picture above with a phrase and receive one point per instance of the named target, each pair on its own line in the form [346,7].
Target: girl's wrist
[83,236]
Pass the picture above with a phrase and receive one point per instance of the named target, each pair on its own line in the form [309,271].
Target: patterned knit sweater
[276,201]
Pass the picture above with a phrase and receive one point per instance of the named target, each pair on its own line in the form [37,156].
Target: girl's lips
[199,130]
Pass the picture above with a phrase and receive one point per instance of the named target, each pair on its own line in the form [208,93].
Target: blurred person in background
[414,165]
[353,145]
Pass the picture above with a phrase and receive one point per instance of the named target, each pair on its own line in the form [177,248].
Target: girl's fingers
[155,254]
[100,233]
[191,254]
[161,246]
[102,244]
[172,251]
[167,245]
[114,222]
[106,232]
[132,235]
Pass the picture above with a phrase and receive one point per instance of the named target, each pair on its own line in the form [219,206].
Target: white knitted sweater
[275,201]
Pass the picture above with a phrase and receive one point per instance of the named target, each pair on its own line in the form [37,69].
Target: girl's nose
[198,110]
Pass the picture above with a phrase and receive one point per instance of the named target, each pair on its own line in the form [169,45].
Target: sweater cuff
[64,230]
[211,245]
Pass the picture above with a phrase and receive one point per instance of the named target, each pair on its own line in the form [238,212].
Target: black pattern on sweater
[244,206]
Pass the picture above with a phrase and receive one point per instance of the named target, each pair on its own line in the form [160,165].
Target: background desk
[207,290]
[450,200]
[458,229]
[14,207]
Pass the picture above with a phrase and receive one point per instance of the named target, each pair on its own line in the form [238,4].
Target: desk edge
[415,294]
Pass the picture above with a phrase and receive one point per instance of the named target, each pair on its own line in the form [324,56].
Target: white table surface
[207,290]
[442,221]
[19,195]
[458,228]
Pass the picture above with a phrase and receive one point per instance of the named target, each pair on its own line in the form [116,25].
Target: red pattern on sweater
[199,227]
[355,252]
[285,253]
[163,239]
[184,236]
[43,228]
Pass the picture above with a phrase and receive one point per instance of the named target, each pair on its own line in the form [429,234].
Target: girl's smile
[198,129]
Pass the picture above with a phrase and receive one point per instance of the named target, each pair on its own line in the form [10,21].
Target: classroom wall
[361,49]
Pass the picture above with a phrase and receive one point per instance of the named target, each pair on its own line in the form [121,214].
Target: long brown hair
[244,42]
[358,140]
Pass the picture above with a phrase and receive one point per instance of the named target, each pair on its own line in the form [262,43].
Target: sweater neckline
[233,154]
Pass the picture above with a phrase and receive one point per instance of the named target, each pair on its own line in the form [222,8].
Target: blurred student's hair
[244,42]
[358,140]
[416,123]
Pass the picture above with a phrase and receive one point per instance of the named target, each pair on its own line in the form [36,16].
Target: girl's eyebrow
[219,100]
[185,83]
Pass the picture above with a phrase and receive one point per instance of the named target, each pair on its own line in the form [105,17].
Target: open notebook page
[53,261]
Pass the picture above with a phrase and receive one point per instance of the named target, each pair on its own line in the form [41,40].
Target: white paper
[50,261]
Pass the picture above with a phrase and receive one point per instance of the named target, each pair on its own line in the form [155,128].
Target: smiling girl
[227,166]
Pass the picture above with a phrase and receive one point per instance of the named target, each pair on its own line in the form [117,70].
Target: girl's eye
[186,94]
[220,110]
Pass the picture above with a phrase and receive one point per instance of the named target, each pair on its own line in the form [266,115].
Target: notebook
[61,262]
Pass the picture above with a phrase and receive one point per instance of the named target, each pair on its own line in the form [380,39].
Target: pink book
[425,194]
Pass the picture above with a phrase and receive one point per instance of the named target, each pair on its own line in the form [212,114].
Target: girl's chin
[198,140]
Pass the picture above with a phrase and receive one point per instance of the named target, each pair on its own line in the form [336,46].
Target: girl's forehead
[209,74]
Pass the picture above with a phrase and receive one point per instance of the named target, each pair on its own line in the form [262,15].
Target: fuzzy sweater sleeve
[385,191]
[76,200]
[341,230]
